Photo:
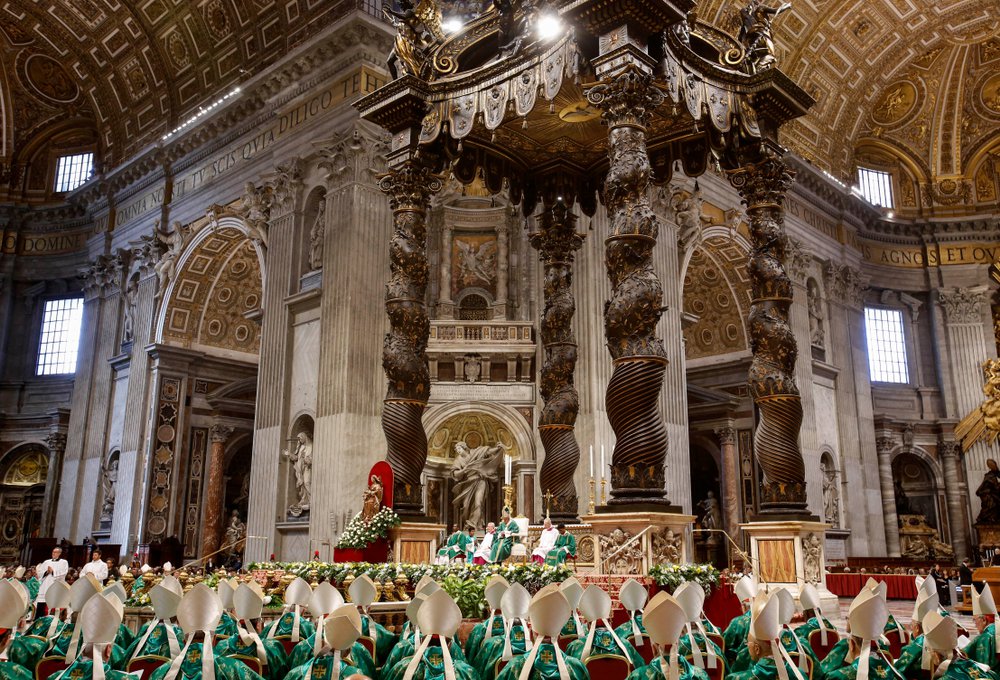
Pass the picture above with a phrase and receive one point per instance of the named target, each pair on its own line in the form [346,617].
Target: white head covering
[200,610]
[426,585]
[596,606]
[691,597]
[925,585]
[925,603]
[984,605]
[496,586]
[633,596]
[786,611]
[324,600]
[226,587]
[514,604]
[99,620]
[57,599]
[298,594]
[665,619]
[573,591]
[165,597]
[868,615]
[12,604]
[248,600]
[809,599]
[549,612]
[82,590]
[745,589]
[411,615]
[116,589]
[765,625]
[19,572]
[362,591]
[940,635]
[437,616]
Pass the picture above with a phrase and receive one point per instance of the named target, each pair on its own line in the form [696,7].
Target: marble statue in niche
[301,461]
[710,520]
[989,495]
[109,483]
[817,334]
[235,533]
[131,297]
[831,494]
[316,236]
[475,470]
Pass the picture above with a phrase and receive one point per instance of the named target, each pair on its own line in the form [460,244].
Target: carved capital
[963,305]
[726,435]
[101,275]
[845,284]
[797,260]
[56,442]
[285,184]
[626,98]
[220,434]
[353,156]
[410,186]
[948,448]
[763,184]
[884,444]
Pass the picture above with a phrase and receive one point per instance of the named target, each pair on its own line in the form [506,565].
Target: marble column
[949,452]
[446,308]
[212,520]
[56,443]
[885,445]
[503,265]
[730,480]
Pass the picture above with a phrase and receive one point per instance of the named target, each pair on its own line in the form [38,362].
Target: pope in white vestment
[546,542]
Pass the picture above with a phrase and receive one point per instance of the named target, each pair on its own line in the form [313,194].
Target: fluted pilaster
[950,452]
[885,446]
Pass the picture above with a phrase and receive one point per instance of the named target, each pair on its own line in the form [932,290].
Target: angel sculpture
[477,264]
[983,423]
[417,29]
[756,36]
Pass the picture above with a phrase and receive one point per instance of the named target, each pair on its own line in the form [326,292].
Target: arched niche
[23,473]
[314,234]
[917,488]
[831,488]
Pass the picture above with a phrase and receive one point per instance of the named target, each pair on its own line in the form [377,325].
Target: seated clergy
[943,659]
[572,591]
[549,612]
[840,655]
[911,660]
[458,545]
[768,656]
[601,638]
[57,599]
[270,654]
[100,621]
[815,621]
[484,553]
[633,596]
[665,620]
[362,591]
[226,587]
[161,636]
[515,639]
[694,641]
[292,625]
[984,647]
[546,542]
[508,533]
[867,617]
[565,547]
[326,600]
[438,620]
[340,633]
[13,603]
[494,625]
[735,635]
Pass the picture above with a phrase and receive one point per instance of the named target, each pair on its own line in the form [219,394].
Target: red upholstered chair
[48,665]
[369,644]
[251,662]
[498,667]
[717,673]
[895,642]
[564,641]
[645,650]
[608,667]
[145,665]
[286,642]
[816,642]
[794,656]
[717,639]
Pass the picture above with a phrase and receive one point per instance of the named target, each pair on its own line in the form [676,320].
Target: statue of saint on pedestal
[109,484]
[475,471]
[235,533]
[989,495]
[372,502]
[301,459]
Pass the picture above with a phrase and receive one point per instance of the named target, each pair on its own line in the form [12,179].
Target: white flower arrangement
[359,534]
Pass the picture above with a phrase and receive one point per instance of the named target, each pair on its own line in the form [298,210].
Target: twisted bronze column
[762,186]
[626,99]
[404,350]
[556,240]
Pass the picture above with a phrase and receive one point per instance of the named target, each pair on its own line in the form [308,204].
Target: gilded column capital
[627,97]
[963,305]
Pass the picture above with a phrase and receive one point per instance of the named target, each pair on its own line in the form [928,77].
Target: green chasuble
[227,625]
[458,544]
[358,657]
[964,669]
[225,668]
[684,645]
[605,644]
[878,669]
[908,663]
[384,640]
[83,669]
[763,669]
[157,644]
[40,627]
[656,670]
[32,585]
[493,651]
[274,652]
[624,631]
[805,630]
[564,547]
[25,651]
[477,638]
[571,628]
[12,671]
[406,649]
[983,648]
[431,666]
[788,639]
[502,546]
[321,668]
[710,627]
[545,666]
[125,636]
[735,636]
[283,627]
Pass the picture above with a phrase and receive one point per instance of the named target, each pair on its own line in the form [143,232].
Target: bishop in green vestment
[735,637]
[12,606]
[459,543]
[191,667]
[657,670]
[274,652]
[545,666]
[358,656]
[507,534]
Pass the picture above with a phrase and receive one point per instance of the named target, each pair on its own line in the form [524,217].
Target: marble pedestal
[415,542]
[790,554]
[663,538]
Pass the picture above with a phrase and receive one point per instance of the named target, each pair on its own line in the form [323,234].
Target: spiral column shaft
[627,98]
[763,186]
[556,241]
[404,350]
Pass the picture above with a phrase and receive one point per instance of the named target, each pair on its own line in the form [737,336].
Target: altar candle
[591,461]
[506,468]
[602,461]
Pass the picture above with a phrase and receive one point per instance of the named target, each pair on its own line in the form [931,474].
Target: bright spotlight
[451,24]
[549,26]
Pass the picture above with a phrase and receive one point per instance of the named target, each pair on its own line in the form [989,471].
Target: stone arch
[832,511]
[717,291]
[919,476]
[513,421]
[217,290]
[23,473]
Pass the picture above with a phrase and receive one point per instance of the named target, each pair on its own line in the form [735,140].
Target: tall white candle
[603,473]
[506,468]
[591,461]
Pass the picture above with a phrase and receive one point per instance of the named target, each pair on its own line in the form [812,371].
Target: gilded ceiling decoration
[475,429]
[717,292]
[138,68]
[920,75]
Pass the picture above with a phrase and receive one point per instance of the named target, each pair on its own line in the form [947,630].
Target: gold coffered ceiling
[919,75]
[136,69]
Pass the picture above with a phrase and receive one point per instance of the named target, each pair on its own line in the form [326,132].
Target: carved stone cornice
[963,305]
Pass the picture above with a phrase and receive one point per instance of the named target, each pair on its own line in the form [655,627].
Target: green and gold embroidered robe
[274,652]
[545,666]
[225,668]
